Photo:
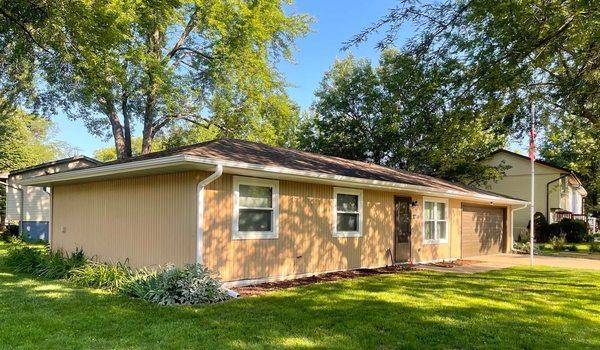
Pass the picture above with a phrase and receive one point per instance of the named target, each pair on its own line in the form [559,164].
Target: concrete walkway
[496,262]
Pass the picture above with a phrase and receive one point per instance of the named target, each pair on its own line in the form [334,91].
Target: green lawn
[515,308]
[583,248]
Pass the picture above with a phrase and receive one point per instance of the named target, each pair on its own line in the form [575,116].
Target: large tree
[25,140]
[399,114]
[514,52]
[154,63]
[573,143]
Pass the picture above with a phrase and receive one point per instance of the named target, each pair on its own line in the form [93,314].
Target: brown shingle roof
[257,153]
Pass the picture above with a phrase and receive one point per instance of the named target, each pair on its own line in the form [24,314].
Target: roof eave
[250,169]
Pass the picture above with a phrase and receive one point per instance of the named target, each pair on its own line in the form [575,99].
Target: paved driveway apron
[501,261]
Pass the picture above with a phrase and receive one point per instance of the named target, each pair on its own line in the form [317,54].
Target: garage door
[482,230]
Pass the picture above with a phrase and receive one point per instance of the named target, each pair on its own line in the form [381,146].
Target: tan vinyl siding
[145,220]
[35,199]
[152,220]
[305,243]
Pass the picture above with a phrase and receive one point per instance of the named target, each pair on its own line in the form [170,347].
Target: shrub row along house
[255,213]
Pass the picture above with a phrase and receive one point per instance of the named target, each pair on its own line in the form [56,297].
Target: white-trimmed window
[347,212]
[255,208]
[435,220]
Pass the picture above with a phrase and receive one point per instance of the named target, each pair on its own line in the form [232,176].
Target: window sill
[347,234]
[254,235]
[435,241]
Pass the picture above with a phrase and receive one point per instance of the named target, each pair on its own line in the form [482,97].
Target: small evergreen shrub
[101,275]
[171,285]
[595,247]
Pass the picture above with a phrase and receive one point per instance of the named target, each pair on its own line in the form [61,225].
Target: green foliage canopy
[513,53]
[117,62]
[399,114]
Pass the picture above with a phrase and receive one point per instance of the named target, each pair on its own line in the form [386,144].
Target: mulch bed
[326,277]
[454,263]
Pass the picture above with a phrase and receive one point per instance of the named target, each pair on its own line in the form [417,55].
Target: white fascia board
[243,168]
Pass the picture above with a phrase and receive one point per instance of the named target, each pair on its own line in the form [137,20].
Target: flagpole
[532,157]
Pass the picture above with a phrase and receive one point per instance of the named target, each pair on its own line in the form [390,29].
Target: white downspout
[512,225]
[200,210]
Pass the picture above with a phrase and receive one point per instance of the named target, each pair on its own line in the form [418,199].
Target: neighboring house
[34,219]
[558,192]
[255,213]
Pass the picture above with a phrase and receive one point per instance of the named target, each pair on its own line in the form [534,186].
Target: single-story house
[29,206]
[558,191]
[255,213]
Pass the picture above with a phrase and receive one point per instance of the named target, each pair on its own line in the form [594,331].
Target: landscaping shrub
[191,285]
[10,232]
[542,235]
[523,248]
[58,264]
[23,258]
[101,275]
[595,247]
[41,261]
[558,242]
[575,230]
[571,248]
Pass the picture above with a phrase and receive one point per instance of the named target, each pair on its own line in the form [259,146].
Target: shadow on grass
[517,308]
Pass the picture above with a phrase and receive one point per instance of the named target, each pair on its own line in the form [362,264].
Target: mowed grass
[515,308]
[581,247]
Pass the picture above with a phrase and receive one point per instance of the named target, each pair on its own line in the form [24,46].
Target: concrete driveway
[501,261]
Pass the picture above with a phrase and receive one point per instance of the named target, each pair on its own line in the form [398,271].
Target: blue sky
[335,22]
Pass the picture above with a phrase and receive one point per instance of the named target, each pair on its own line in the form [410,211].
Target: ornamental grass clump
[102,275]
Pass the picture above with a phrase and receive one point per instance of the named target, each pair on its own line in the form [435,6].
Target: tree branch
[184,35]
[27,32]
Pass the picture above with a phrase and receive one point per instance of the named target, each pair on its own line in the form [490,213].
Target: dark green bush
[575,230]
[541,234]
[595,247]
[10,232]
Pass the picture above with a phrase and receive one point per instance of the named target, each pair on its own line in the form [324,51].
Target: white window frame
[350,191]
[236,233]
[436,240]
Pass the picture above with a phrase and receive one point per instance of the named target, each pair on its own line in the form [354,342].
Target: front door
[402,228]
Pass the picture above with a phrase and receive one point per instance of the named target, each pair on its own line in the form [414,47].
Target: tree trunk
[126,124]
[117,129]
[149,109]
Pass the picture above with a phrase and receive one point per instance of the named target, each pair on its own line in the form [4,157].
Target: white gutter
[254,170]
[512,225]
[200,210]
